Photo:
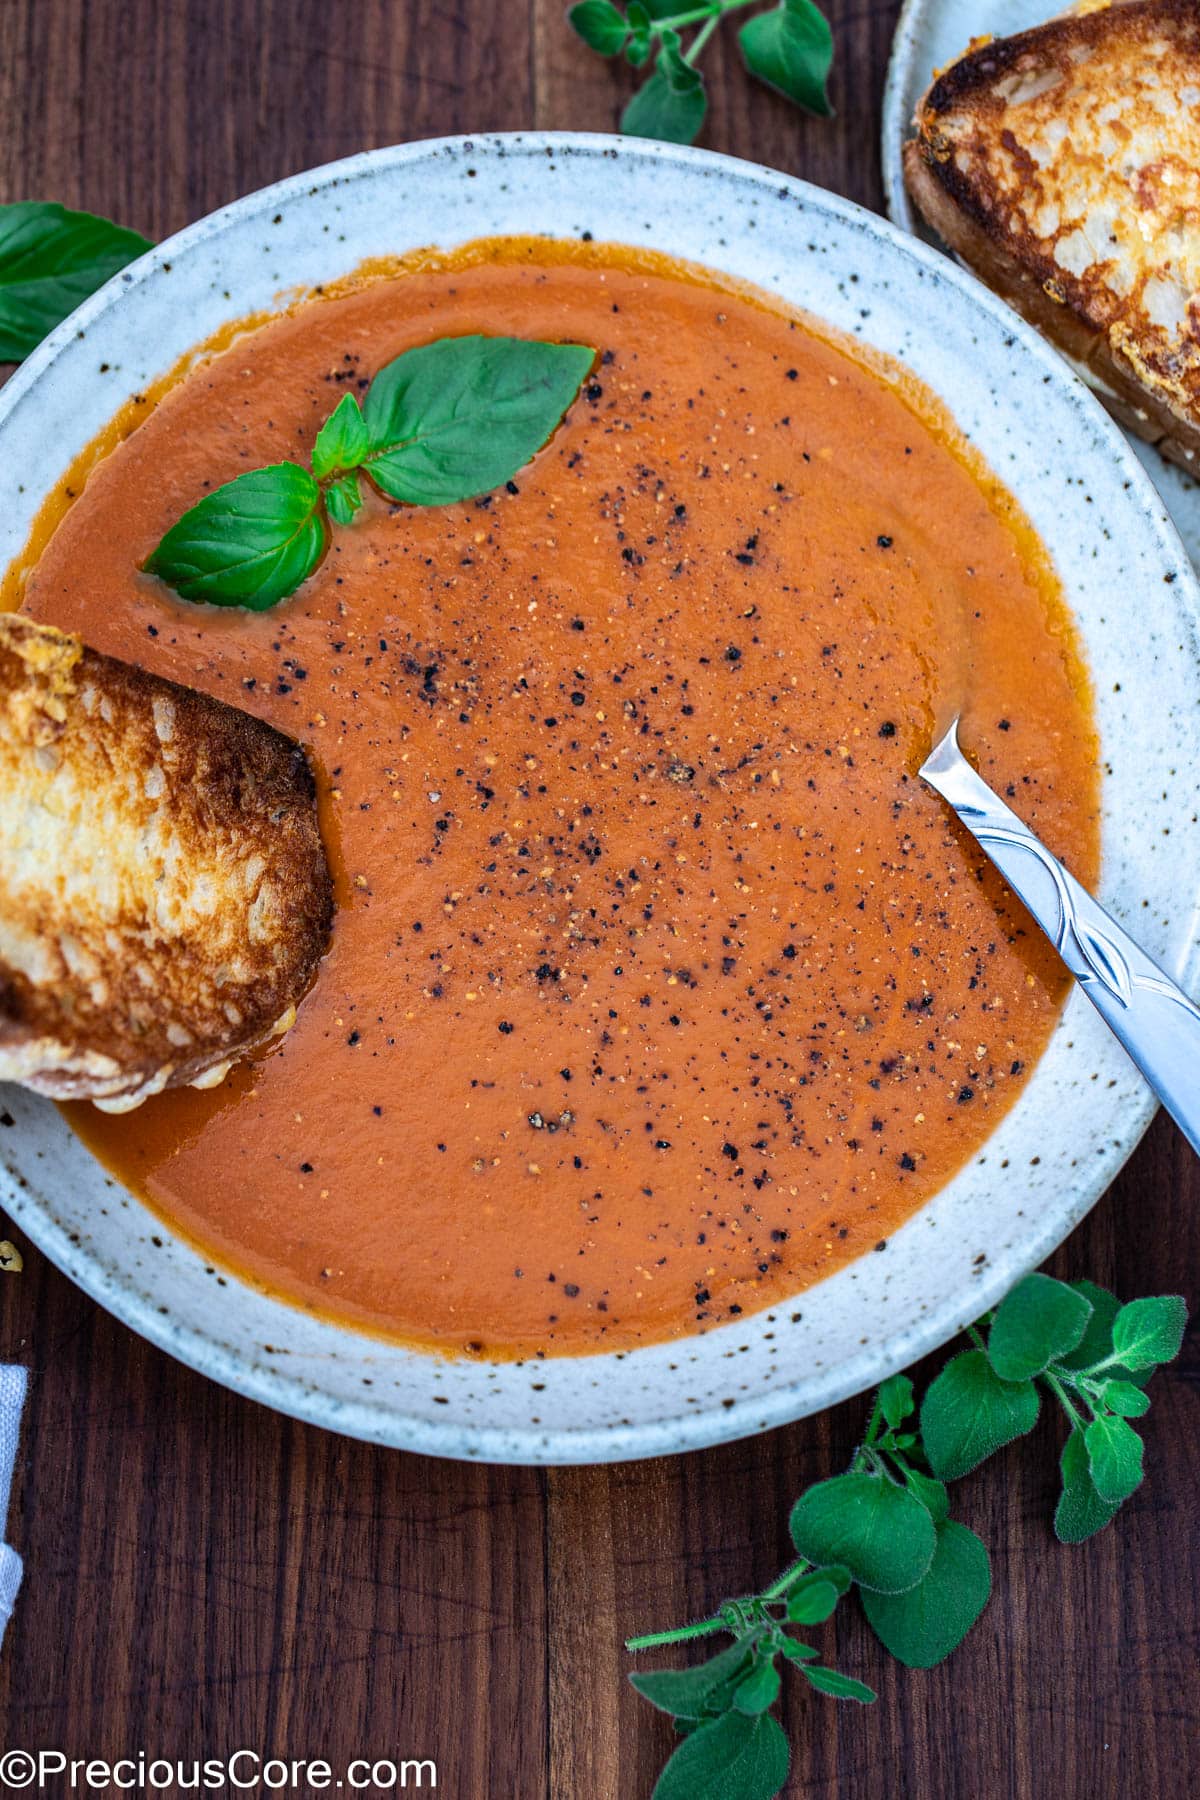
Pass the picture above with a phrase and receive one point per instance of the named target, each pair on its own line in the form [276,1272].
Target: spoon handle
[1150,1014]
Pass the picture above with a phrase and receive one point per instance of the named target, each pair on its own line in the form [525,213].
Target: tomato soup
[660,986]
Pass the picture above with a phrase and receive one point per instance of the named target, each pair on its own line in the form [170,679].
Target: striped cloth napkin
[13,1382]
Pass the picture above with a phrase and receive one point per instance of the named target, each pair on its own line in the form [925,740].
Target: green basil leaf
[50,261]
[600,26]
[342,441]
[686,1692]
[930,1492]
[924,1625]
[1080,1511]
[842,1687]
[882,1534]
[671,105]
[731,1758]
[1114,1453]
[1148,1332]
[1039,1320]
[812,1603]
[760,1690]
[968,1413]
[249,543]
[896,1400]
[343,499]
[1096,1343]
[791,49]
[460,416]
[1124,1398]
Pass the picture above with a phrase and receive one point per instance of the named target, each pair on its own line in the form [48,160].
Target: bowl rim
[806,1393]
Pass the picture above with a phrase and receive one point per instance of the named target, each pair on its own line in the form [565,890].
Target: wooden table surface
[202,1575]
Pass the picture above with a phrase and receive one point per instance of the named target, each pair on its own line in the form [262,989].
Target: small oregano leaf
[343,499]
[1148,1332]
[760,1690]
[732,1758]
[1080,1511]
[685,1692]
[342,441]
[881,1532]
[797,1652]
[968,1413]
[813,1603]
[1096,1343]
[924,1625]
[1040,1319]
[460,416]
[832,1681]
[930,1492]
[600,26]
[896,1400]
[670,106]
[1124,1398]
[51,260]
[249,543]
[791,49]
[1114,1453]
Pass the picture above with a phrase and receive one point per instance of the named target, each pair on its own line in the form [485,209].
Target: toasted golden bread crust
[1063,166]
[164,893]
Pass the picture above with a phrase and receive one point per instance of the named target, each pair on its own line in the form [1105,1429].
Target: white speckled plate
[1084,1107]
[930,34]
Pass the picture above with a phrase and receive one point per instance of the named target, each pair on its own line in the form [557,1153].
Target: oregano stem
[701,38]
[682,20]
[1112,1361]
[1056,1387]
[900,1464]
[779,1587]
[652,1639]
[975,1338]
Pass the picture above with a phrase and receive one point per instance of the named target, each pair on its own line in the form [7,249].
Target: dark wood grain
[203,1575]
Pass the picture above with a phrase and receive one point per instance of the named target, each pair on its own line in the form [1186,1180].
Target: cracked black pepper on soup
[660,987]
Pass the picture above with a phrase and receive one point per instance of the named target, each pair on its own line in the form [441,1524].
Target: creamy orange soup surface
[660,986]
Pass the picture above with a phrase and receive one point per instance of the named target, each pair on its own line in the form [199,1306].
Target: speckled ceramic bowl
[1133,593]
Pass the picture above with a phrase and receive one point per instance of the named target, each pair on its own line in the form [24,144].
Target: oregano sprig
[789,46]
[442,423]
[885,1527]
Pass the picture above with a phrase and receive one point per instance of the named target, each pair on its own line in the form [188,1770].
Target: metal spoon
[1153,1018]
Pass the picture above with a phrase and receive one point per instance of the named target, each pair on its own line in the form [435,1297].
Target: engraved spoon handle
[1152,1016]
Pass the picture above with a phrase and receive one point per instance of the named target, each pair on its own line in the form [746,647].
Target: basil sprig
[50,260]
[790,47]
[884,1526]
[248,543]
[441,423]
